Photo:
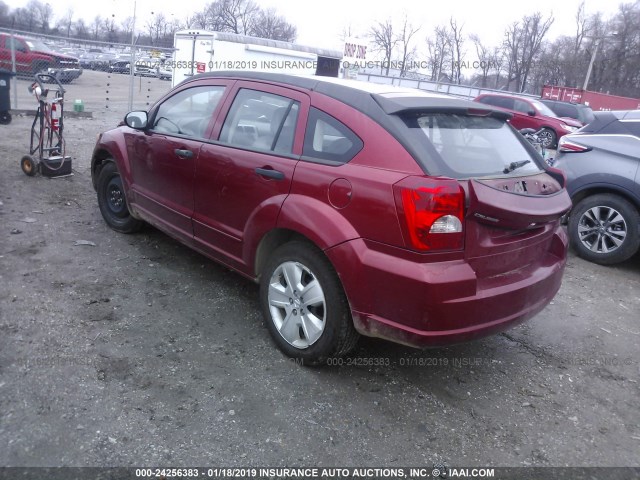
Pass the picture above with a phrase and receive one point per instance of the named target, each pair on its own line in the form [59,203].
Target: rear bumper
[435,304]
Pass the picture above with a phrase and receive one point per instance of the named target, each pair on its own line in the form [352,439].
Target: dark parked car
[359,208]
[120,66]
[102,61]
[531,113]
[577,111]
[602,165]
[86,59]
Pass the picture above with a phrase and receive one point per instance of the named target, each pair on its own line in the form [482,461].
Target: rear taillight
[431,213]
[567,146]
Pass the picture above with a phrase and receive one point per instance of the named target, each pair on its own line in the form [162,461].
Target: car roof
[364,96]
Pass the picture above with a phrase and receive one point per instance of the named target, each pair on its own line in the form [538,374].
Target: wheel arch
[301,218]
[591,190]
[270,242]
[112,146]
[100,157]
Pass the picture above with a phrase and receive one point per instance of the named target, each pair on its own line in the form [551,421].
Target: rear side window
[329,139]
[261,121]
[467,146]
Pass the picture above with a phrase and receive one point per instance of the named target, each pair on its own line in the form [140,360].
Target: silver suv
[601,162]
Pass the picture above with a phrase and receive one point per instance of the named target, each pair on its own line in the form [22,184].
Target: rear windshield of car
[465,146]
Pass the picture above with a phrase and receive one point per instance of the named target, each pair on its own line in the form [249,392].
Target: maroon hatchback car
[359,208]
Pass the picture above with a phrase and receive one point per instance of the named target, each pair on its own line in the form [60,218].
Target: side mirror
[531,113]
[137,119]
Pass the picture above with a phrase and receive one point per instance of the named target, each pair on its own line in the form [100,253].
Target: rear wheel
[604,229]
[112,201]
[304,305]
[547,138]
[5,118]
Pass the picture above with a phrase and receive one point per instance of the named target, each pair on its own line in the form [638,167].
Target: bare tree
[109,29]
[157,27]
[24,19]
[268,24]
[384,41]
[96,26]
[522,44]
[407,50]
[438,52]
[4,12]
[66,22]
[457,52]
[235,16]
[43,14]
[484,59]
[497,64]
[81,29]
[126,27]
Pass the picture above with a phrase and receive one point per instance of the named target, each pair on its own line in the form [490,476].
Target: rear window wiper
[515,165]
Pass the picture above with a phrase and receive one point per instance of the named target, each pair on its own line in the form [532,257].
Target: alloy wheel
[602,229]
[297,304]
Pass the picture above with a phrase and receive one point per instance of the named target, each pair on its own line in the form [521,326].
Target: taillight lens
[568,146]
[431,212]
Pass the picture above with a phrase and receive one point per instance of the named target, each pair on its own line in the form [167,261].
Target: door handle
[270,173]
[183,153]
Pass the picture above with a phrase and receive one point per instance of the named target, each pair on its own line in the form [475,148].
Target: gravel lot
[138,351]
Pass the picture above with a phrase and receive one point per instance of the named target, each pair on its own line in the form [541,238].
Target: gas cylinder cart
[47,146]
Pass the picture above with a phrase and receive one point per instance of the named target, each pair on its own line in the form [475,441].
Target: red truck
[595,100]
[33,56]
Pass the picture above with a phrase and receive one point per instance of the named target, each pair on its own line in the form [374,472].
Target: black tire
[338,335]
[5,118]
[112,201]
[604,229]
[548,138]
[29,165]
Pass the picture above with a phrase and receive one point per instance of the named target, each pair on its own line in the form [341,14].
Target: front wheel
[112,201]
[604,229]
[304,305]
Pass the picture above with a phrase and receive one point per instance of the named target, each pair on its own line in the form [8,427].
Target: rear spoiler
[393,105]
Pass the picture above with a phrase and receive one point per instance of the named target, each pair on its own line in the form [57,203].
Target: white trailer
[198,51]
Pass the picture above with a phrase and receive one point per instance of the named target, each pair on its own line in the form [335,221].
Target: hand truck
[47,153]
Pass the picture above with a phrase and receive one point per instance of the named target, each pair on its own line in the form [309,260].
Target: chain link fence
[100,81]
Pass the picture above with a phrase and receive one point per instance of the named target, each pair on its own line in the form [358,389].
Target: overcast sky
[320,23]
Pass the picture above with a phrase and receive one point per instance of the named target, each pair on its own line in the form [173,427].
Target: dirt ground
[137,351]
